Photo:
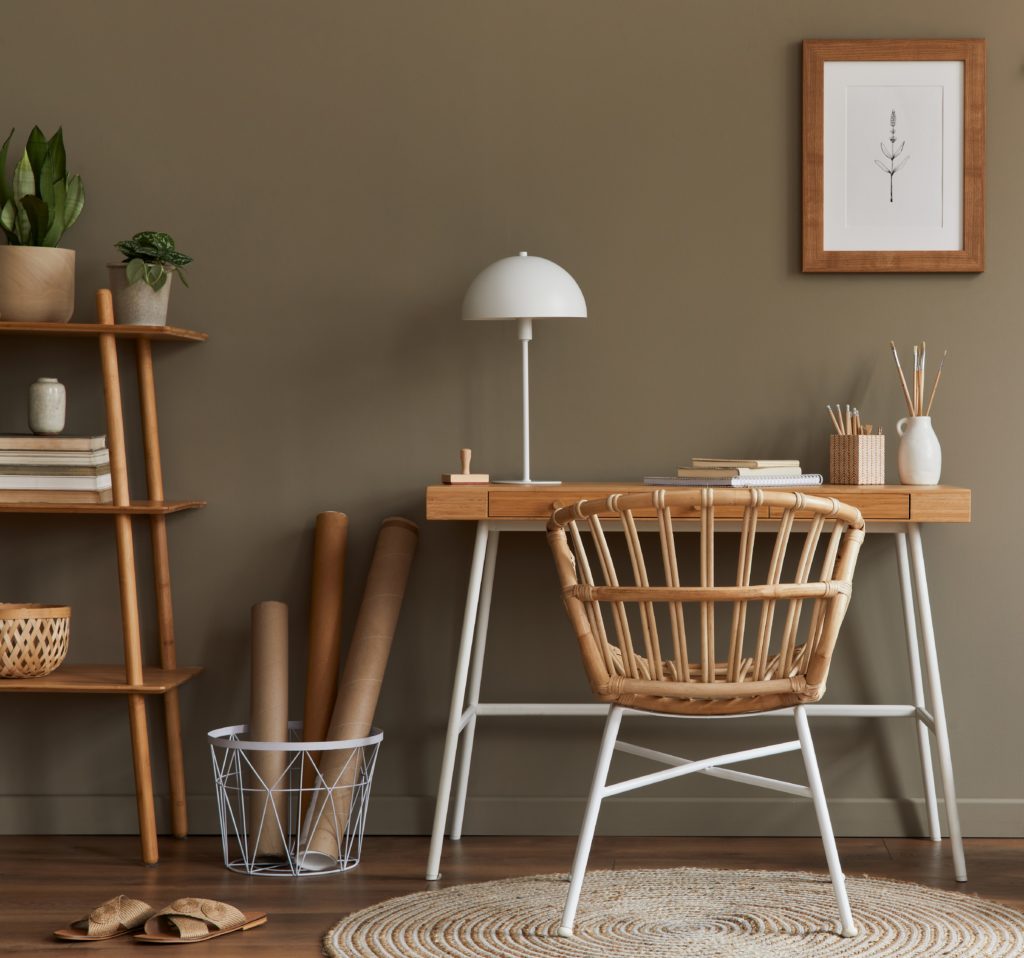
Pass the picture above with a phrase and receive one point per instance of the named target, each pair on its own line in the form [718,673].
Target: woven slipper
[113,918]
[189,920]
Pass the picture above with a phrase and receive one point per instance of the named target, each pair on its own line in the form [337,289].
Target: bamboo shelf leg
[127,584]
[162,588]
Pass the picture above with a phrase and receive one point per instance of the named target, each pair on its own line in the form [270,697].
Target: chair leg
[579,863]
[828,839]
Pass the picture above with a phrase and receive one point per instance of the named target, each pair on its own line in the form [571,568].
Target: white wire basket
[291,808]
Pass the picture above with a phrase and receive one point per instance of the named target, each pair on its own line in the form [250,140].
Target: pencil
[903,379]
[938,376]
[917,382]
[835,422]
[849,420]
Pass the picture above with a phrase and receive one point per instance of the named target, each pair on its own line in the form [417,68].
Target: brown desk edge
[506,502]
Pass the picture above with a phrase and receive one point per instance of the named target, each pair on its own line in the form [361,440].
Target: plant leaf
[136,271]
[55,148]
[900,150]
[157,276]
[5,193]
[36,148]
[881,166]
[38,217]
[7,215]
[56,229]
[74,201]
[181,275]
[24,179]
[902,163]
[22,226]
[44,182]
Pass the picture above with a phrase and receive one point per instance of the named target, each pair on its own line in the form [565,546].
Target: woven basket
[856,460]
[33,639]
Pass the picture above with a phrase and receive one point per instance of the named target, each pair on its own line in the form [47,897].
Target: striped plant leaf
[24,179]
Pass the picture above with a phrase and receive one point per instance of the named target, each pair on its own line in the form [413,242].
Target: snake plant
[41,200]
[147,257]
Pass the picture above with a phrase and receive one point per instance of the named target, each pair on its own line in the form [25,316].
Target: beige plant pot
[138,304]
[37,284]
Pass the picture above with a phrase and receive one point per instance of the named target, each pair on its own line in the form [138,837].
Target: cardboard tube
[268,722]
[359,688]
[324,656]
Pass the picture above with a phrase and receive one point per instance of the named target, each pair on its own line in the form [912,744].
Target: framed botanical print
[894,156]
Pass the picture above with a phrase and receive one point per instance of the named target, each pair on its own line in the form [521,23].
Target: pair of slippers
[184,921]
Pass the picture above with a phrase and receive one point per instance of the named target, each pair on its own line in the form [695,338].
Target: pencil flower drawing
[890,154]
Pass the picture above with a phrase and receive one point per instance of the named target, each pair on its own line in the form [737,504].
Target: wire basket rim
[220,738]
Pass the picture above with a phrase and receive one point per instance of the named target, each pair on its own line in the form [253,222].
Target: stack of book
[54,469]
[738,473]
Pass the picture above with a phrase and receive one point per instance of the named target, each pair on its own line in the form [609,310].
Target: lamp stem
[525,335]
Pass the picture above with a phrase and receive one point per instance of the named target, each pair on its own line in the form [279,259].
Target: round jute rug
[681,913]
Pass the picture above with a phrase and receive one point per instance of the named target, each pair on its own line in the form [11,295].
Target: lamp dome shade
[524,287]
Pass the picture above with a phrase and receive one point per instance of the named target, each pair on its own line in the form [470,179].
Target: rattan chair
[655,647]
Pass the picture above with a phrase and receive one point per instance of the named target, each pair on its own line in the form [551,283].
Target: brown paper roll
[326,590]
[359,688]
[268,722]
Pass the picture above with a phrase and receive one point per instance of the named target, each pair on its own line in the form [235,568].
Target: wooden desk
[899,511]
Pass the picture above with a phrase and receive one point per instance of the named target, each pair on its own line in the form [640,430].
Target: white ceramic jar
[919,458]
[47,406]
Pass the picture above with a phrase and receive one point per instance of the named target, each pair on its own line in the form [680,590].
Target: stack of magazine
[738,473]
[54,469]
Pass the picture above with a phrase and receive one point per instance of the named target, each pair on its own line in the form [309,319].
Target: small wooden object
[856,460]
[465,476]
[33,639]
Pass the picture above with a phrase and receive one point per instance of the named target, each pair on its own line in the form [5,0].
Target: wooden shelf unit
[130,678]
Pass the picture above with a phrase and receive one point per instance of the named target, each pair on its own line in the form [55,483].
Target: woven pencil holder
[856,460]
[33,639]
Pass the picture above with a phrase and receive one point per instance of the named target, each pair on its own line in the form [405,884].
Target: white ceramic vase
[47,407]
[138,304]
[919,458]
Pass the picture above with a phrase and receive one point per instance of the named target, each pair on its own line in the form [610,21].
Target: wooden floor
[45,882]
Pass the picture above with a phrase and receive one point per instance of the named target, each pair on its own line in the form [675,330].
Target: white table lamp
[524,288]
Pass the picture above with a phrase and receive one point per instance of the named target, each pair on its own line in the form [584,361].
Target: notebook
[738,482]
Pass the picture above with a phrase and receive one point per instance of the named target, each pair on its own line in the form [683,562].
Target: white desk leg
[931,662]
[451,742]
[475,673]
[924,742]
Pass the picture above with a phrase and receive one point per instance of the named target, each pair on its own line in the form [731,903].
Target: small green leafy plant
[41,201]
[150,259]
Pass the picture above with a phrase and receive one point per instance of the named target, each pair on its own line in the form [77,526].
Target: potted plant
[37,205]
[141,284]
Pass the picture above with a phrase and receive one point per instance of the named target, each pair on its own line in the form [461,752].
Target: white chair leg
[579,863]
[828,839]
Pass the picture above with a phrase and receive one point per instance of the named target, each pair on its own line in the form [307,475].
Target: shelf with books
[75,330]
[53,470]
[102,679]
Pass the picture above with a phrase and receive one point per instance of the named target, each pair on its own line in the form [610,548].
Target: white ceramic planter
[919,459]
[47,406]
[138,304]
[37,284]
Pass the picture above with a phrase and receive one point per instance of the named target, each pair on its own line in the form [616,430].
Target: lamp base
[528,482]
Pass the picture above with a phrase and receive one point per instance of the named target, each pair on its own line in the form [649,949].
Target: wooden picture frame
[949,190]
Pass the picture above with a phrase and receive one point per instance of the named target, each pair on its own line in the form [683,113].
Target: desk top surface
[530,503]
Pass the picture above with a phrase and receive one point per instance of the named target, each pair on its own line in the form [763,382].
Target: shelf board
[137,507]
[101,679]
[94,329]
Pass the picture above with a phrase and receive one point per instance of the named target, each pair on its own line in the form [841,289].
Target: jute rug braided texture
[681,913]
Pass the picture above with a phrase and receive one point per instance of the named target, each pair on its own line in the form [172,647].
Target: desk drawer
[873,505]
[514,504]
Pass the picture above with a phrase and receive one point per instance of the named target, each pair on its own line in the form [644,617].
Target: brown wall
[341,171]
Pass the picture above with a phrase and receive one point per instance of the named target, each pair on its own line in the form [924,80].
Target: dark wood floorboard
[47,881]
